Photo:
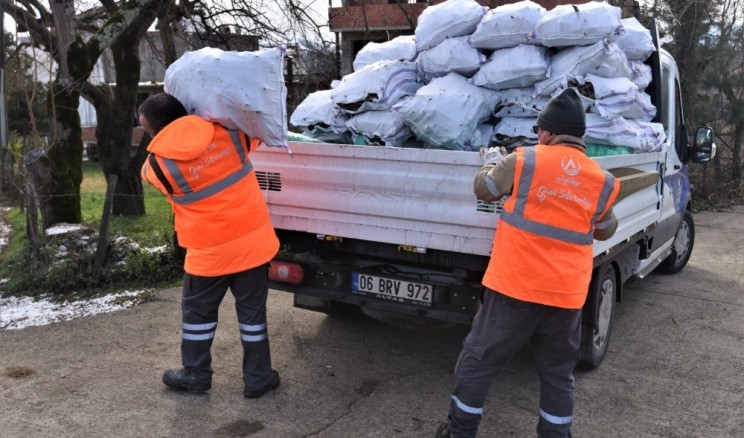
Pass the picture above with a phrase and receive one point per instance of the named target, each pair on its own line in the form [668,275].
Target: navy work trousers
[502,326]
[201,301]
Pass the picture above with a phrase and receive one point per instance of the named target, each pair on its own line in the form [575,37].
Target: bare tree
[75,45]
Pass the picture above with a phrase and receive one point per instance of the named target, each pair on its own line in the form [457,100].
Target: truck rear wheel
[595,334]
[681,248]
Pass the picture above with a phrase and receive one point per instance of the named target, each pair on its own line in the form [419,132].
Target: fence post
[102,246]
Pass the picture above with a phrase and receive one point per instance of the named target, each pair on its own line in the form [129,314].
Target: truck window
[680,137]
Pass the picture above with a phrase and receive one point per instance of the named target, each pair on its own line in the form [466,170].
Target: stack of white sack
[318,117]
[484,76]
[212,84]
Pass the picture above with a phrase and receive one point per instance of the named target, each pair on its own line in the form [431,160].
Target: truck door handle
[677,166]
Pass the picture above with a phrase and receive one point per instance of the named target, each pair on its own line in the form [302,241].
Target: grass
[153,229]
[141,269]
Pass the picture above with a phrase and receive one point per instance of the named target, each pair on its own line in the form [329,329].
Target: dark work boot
[273,384]
[185,379]
[443,431]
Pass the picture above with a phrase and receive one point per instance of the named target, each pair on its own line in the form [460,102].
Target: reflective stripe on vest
[189,196]
[518,220]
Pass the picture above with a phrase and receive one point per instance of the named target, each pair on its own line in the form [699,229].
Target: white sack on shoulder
[640,136]
[507,25]
[376,87]
[239,90]
[446,112]
[503,71]
[450,19]
[400,48]
[602,59]
[380,127]
[574,25]
[318,108]
[451,55]
[636,41]
[619,97]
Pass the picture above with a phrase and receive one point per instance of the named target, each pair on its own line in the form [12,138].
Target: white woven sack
[318,115]
[482,137]
[451,55]
[399,48]
[602,59]
[640,136]
[239,90]
[636,41]
[450,19]
[380,127]
[619,97]
[640,74]
[516,127]
[507,25]
[515,67]
[376,86]
[446,112]
[519,102]
[575,25]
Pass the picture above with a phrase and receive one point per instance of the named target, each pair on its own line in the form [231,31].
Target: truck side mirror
[704,149]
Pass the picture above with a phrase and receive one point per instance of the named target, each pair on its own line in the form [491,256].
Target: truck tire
[681,248]
[595,334]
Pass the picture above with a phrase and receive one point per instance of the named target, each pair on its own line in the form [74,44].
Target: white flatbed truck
[398,234]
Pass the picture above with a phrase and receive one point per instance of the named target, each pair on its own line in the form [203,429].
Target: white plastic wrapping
[482,137]
[602,59]
[636,41]
[619,97]
[380,127]
[584,24]
[451,55]
[450,19]
[446,112]
[376,86]
[239,90]
[507,25]
[640,136]
[514,67]
[400,48]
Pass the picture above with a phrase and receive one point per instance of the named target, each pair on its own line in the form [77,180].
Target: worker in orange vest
[537,279]
[223,222]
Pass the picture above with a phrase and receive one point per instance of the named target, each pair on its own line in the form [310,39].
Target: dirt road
[675,369]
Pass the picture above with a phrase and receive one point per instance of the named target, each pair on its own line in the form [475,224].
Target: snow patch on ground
[21,312]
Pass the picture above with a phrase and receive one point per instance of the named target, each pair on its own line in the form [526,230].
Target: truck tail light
[286,272]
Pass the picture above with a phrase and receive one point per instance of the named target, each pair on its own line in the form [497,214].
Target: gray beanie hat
[564,114]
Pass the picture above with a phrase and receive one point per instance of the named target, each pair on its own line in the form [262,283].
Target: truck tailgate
[414,197]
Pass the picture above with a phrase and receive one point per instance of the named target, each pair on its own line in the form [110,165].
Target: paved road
[675,369]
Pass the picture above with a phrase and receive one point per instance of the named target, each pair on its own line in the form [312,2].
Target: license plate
[393,290]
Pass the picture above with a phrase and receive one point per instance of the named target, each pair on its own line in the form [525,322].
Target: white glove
[492,155]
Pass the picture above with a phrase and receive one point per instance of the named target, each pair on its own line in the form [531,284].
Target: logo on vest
[570,167]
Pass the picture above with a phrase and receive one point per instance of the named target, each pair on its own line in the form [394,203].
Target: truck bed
[419,198]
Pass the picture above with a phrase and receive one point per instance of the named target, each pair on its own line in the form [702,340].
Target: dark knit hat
[564,114]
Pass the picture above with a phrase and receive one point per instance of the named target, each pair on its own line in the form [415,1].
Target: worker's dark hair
[161,109]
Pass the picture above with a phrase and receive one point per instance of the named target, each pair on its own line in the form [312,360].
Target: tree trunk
[65,156]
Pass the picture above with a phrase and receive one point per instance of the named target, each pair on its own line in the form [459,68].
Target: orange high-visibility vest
[542,250]
[221,217]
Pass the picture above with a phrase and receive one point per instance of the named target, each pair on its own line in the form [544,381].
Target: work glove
[492,155]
